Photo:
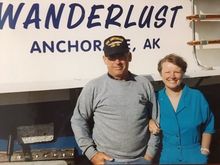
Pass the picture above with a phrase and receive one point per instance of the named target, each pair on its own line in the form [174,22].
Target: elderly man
[120,105]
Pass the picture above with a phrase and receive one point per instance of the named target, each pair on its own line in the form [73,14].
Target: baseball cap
[115,45]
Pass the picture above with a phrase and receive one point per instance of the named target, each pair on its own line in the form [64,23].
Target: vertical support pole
[194,31]
[10,146]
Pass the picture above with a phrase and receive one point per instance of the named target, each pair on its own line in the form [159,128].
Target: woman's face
[172,75]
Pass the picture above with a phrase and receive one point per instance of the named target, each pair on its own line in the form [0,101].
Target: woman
[186,122]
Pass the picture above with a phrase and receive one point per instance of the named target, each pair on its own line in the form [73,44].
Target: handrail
[198,17]
[203,42]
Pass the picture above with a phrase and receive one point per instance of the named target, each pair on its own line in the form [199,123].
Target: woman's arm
[206,142]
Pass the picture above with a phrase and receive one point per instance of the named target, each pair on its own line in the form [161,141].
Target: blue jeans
[138,161]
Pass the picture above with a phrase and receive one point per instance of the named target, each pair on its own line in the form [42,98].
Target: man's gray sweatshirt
[120,111]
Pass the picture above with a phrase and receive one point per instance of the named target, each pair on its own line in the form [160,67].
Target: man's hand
[99,158]
[148,157]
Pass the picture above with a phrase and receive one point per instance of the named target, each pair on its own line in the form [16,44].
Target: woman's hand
[154,127]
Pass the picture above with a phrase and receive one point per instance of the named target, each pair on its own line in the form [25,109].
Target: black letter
[86,45]
[162,10]
[51,14]
[36,19]
[9,14]
[112,20]
[47,46]
[93,16]
[97,45]
[147,20]
[174,14]
[127,24]
[72,9]
[35,47]
[76,46]
[58,46]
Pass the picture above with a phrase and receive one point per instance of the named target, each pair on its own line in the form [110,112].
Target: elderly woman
[186,122]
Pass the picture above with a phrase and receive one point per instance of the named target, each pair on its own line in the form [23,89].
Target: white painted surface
[22,70]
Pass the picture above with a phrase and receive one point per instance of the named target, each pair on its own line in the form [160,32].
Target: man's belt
[203,17]
[203,42]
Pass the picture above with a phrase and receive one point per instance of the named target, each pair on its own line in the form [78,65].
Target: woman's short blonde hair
[174,59]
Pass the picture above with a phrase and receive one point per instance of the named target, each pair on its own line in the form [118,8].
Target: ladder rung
[203,42]
[203,17]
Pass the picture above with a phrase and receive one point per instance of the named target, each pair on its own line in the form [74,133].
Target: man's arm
[81,122]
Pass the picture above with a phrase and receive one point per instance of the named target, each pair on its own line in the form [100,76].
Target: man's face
[118,65]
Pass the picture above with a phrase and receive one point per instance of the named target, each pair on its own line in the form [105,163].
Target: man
[120,105]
